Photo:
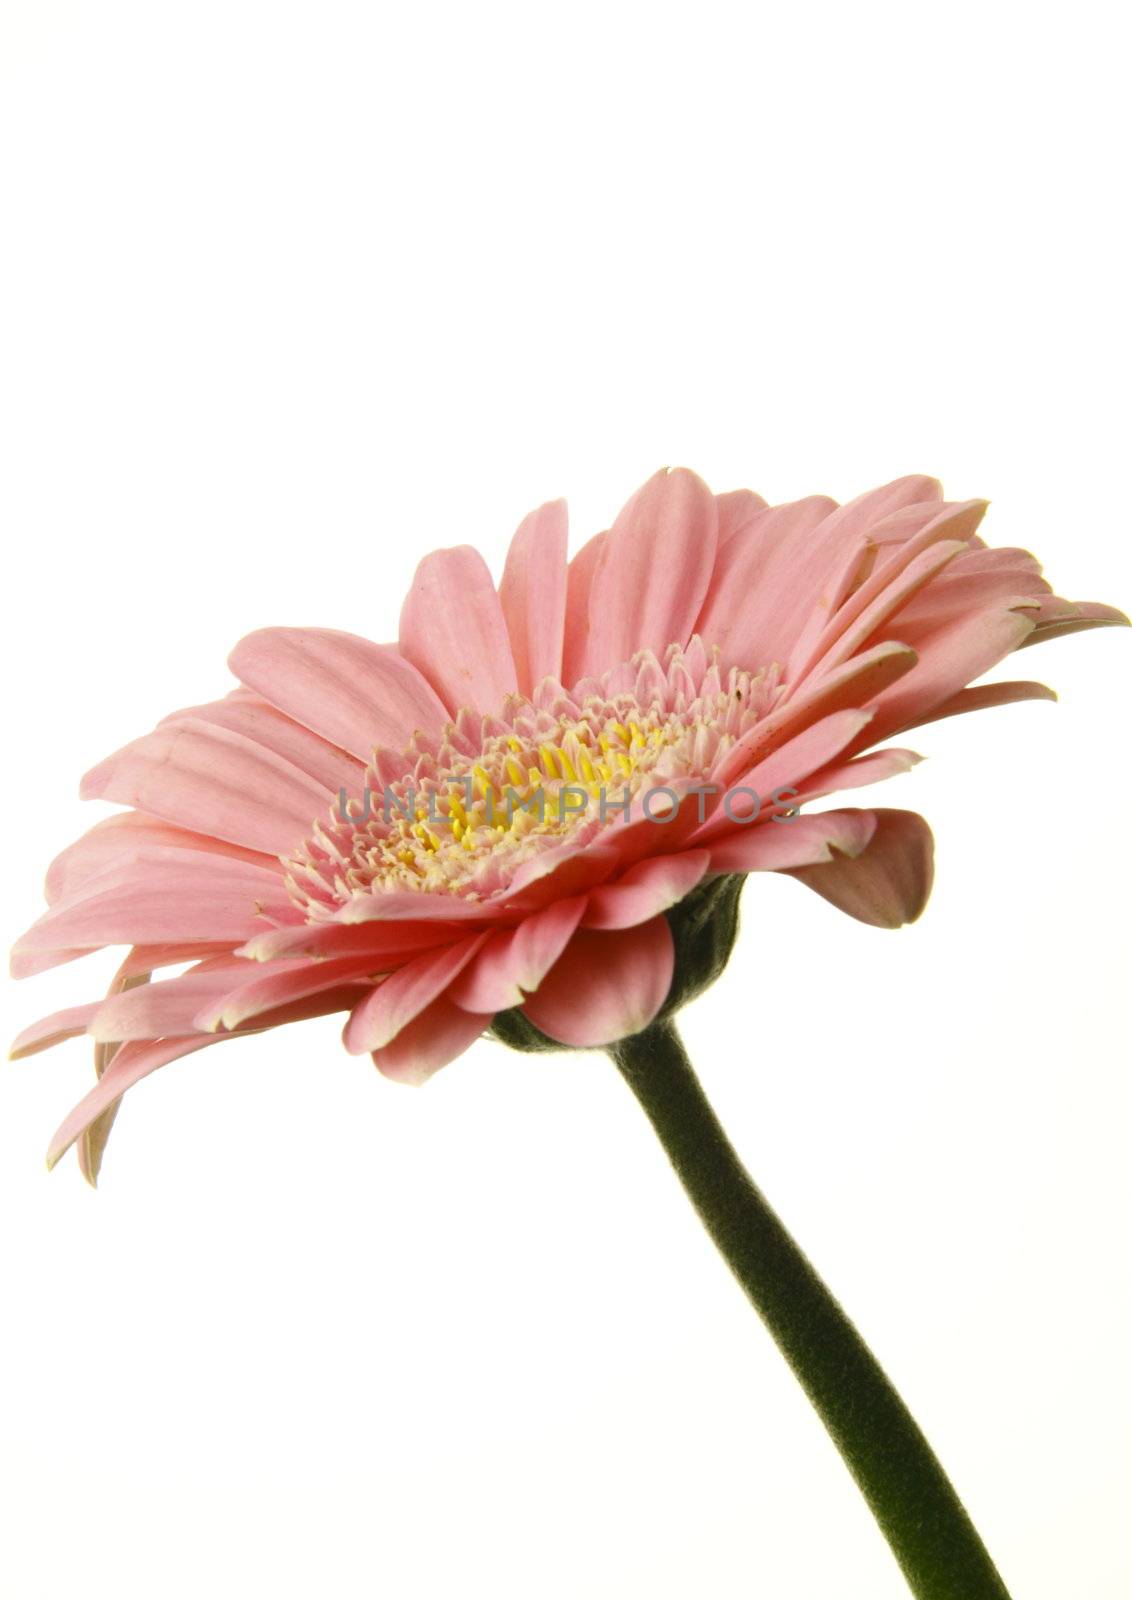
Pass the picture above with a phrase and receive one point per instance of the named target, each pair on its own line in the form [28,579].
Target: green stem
[919,1513]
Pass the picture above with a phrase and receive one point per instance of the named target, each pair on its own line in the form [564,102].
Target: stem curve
[908,1492]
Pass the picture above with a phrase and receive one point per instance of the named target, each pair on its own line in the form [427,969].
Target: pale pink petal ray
[394,1003]
[514,961]
[163,1010]
[211,780]
[985,695]
[329,767]
[886,588]
[647,889]
[791,762]
[606,986]
[798,842]
[116,840]
[844,688]
[653,571]
[131,1064]
[454,632]
[430,1041]
[742,609]
[882,615]
[146,958]
[166,902]
[354,693]
[390,944]
[410,905]
[888,884]
[23,963]
[579,582]
[1084,614]
[532,593]
[856,773]
[246,999]
[950,657]
[736,510]
[52,1030]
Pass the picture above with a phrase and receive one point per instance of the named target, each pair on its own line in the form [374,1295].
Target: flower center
[459,815]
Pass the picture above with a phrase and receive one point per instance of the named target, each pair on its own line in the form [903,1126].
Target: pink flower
[357,827]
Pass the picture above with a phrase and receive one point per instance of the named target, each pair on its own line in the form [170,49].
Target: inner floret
[460,813]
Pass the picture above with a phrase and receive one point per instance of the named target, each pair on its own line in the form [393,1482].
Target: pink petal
[329,767]
[848,687]
[454,632]
[742,609]
[435,1037]
[871,561]
[579,583]
[156,901]
[882,614]
[647,889]
[250,998]
[52,1030]
[132,1063]
[116,840]
[212,781]
[799,842]
[533,595]
[1085,614]
[886,886]
[387,944]
[985,695]
[514,962]
[856,773]
[736,511]
[163,1010]
[606,986]
[354,693]
[393,1004]
[949,659]
[653,572]
[787,766]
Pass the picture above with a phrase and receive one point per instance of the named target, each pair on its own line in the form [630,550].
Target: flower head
[534,809]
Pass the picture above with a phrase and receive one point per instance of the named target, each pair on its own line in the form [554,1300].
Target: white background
[292,294]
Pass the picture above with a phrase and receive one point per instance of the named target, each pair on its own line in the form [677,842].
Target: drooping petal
[454,632]
[430,1041]
[653,571]
[606,986]
[131,1064]
[888,884]
[354,693]
[795,842]
[52,1030]
[514,961]
[211,780]
[532,593]
[394,1003]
